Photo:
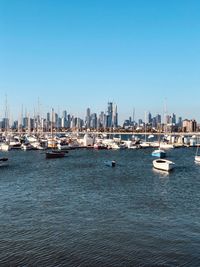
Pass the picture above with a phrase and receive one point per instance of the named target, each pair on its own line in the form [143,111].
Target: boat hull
[53,155]
[164,165]
[3,162]
[110,163]
[197,159]
[159,153]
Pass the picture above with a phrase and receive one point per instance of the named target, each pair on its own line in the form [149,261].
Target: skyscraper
[109,115]
[87,118]
[115,117]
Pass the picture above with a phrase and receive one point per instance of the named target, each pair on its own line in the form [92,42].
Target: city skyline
[95,120]
[74,55]
[24,111]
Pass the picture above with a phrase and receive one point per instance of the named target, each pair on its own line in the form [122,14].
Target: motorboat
[26,147]
[55,154]
[110,163]
[159,153]
[163,164]
[4,146]
[3,162]
[99,146]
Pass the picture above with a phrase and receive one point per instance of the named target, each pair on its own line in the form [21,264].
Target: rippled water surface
[75,211]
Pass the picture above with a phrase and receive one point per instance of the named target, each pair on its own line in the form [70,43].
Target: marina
[99,134]
[72,140]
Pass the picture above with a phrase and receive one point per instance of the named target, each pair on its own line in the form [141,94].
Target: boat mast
[145,126]
[6,115]
[52,111]
[133,119]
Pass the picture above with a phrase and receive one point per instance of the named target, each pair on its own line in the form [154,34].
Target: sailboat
[54,153]
[144,143]
[197,157]
[160,153]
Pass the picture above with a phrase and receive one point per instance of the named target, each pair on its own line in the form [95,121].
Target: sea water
[76,211]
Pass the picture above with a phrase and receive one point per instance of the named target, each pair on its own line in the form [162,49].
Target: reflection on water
[76,211]
[161,173]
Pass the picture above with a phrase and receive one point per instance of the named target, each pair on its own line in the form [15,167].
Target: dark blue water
[75,211]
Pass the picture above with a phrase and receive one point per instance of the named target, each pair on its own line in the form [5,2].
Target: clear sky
[74,54]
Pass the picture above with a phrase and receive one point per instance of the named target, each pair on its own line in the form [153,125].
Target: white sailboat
[160,153]
[197,157]
[54,153]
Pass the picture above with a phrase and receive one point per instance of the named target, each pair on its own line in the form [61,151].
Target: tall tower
[110,114]
[88,118]
[115,116]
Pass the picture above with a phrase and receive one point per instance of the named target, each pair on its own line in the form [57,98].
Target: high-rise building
[94,121]
[180,122]
[173,119]
[149,118]
[87,118]
[189,125]
[158,119]
[109,115]
[115,117]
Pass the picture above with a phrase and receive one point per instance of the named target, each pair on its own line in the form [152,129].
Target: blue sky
[74,54]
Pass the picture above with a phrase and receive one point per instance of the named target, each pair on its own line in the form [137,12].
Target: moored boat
[110,163]
[163,164]
[3,162]
[55,154]
[197,156]
[4,146]
[159,153]
[197,159]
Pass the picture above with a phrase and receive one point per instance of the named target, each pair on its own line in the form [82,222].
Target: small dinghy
[110,163]
[163,164]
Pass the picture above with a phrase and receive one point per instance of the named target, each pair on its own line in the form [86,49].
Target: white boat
[163,164]
[26,147]
[197,157]
[145,144]
[3,162]
[166,146]
[4,147]
[159,153]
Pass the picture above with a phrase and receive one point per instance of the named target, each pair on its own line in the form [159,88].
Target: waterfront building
[189,125]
